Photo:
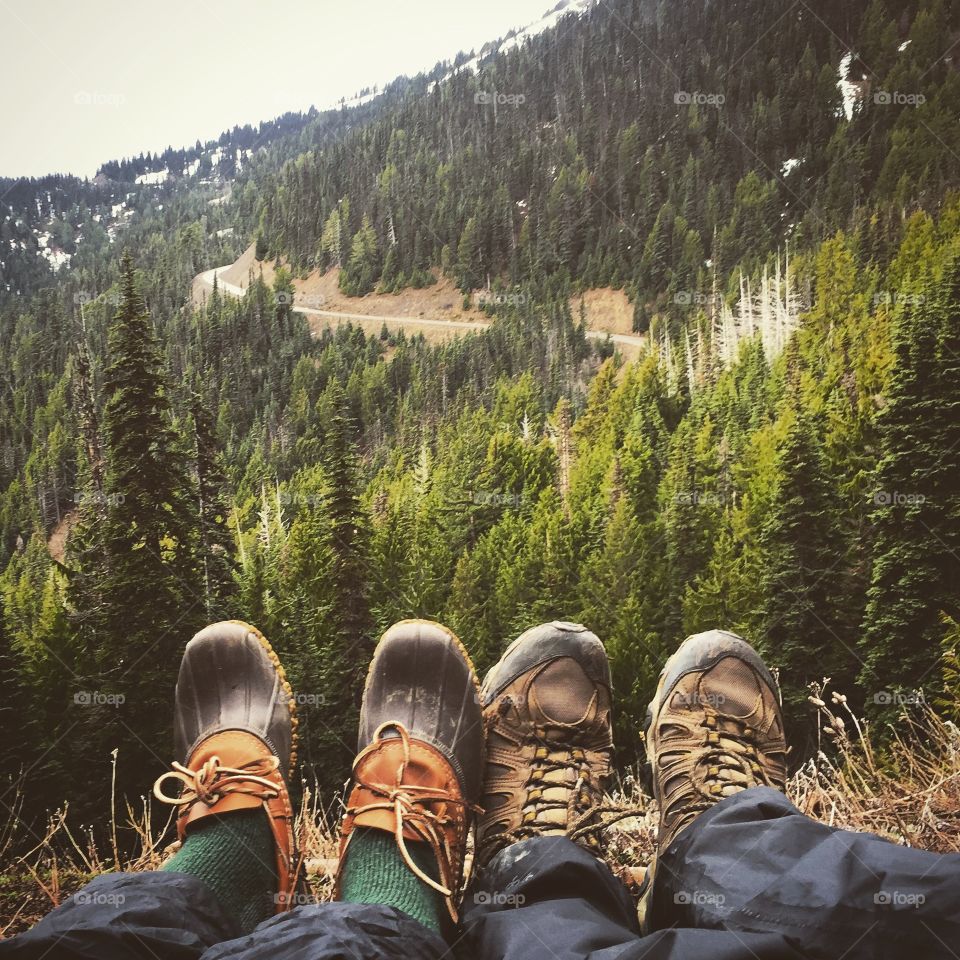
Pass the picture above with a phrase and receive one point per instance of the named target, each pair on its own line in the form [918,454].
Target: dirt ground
[607,310]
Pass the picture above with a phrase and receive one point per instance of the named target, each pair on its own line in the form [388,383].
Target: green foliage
[139,586]
[363,268]
[916,517]
[219,460]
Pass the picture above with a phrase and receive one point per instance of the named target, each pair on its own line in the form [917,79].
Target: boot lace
[213,780]
[579,802]
[411,806]
[728,762]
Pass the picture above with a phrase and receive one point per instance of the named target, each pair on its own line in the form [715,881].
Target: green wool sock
[376,873]
[234,855]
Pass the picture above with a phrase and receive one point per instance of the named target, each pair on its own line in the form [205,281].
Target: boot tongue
[731,688]
[562,693]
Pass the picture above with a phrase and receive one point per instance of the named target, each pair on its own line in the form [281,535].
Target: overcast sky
[86,81]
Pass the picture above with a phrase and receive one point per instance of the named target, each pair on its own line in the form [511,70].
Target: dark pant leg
[173,916]
[128,916]
[337,931]
[548,899]
[755,863]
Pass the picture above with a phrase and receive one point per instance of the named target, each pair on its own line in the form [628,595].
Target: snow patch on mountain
[56,257]
[345,103]
[153,178]
[849,90]
[548,20]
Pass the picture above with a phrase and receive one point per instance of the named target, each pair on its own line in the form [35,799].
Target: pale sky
[88,81]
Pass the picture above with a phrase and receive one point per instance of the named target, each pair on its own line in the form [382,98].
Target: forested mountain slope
[653,145]
[783,461]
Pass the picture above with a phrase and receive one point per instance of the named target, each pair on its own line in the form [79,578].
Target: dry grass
[910,795]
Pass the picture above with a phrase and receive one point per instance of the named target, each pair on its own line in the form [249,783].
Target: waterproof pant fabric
[174,916]
[752,879]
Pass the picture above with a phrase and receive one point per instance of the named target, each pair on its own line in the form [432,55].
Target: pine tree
[916,520]
[363,268]
[306,601]
[146,588]
[469,270]
[213,511]
[13,711]
[347,651]
[798,627]
[334,238]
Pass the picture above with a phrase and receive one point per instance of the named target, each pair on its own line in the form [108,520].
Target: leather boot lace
[728,762]
[410,804]
[213,780]
[579,803]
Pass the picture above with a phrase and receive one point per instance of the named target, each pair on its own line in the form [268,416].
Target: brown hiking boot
[714,728]
[546,706]
[417,773]
[235,730]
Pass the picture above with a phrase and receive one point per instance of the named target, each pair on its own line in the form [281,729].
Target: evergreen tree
[363,268]
[216,543]
[469,271]
[146,589]
[14,751]
[347,650]
[916,518]
[799,556]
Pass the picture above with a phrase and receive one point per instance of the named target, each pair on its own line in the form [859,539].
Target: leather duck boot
[546,706]
[235,735]
[714,729]
[416,777]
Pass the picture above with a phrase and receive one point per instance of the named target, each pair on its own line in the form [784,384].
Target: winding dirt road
[628,343]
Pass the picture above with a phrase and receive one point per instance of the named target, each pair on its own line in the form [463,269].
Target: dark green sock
[234,855]
[376,873]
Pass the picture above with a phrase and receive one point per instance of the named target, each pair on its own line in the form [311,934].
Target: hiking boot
[546,707]
[235,732]
[714,729]
[417,773]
